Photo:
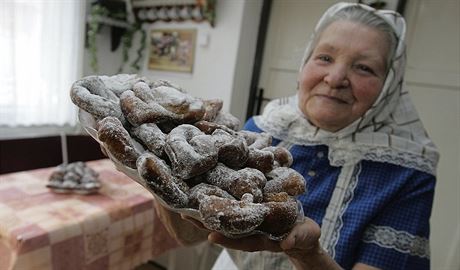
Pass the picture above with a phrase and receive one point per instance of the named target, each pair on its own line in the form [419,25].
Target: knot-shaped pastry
[258,159]
[160,104]
[209,127]
[190,151]
[276,215]
[256,140]
[139,112]
[172,98]
[231,216]
[212,108]
[202,190]
[151,136]
[91,95]
[157,175]
[282,156]
[118,141]
[281,216]
[283,179]
[233,150]
[227,119]
[237,183]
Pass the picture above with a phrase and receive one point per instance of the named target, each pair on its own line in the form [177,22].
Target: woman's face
[343,76]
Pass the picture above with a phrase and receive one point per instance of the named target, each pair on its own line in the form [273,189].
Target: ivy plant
[100,16]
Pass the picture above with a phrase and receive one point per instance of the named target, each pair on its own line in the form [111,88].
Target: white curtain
[41,52]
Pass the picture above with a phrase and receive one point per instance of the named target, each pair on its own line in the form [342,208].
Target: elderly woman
[356,138]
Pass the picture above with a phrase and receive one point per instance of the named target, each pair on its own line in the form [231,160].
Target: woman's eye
[325,58]
[365,69]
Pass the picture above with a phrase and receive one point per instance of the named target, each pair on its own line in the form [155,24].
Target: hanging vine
[126,43]
[93,28]
[140,51]
[100,16]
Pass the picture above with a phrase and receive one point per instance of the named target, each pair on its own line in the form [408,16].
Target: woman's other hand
[301,245]
[302,239]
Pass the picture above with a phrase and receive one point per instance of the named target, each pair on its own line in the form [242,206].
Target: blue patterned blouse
[384,220]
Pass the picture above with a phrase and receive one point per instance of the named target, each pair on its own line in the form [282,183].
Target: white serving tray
[89,124]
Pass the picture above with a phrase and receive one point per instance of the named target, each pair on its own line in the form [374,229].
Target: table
[116,228]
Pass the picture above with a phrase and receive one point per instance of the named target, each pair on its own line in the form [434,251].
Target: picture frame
[172,50]
[396,5]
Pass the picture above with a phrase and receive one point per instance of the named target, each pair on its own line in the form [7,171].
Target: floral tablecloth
[116,228]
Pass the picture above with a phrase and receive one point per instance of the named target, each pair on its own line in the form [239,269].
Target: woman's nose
[337,77]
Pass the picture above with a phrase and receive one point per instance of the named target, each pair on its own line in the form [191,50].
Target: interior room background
[223,66]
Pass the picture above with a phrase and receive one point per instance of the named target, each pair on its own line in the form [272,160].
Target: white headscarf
[390,131]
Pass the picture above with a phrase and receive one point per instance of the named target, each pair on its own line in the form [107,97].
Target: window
[41,50]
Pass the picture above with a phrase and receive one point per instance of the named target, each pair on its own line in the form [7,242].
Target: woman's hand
[301,245]
[302,239]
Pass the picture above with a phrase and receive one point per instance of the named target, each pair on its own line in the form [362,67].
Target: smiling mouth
[334,99]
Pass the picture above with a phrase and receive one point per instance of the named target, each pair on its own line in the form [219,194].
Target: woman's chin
[329,127]
[329,121]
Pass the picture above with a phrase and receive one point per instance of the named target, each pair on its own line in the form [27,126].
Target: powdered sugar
[285,179]
[151,136]
[230,216]
[157,115]
[74,177]
[190,151]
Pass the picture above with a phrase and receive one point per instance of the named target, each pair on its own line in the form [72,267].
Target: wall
[22,154]
[433,79]
[223,66]
[245,58]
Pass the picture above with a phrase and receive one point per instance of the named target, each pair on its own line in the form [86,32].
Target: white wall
[223,67]
[433,79]
[245,59]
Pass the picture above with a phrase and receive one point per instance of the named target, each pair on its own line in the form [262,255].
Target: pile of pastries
[74,178]
[192,154]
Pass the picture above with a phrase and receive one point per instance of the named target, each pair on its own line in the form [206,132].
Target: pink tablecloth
[116,228]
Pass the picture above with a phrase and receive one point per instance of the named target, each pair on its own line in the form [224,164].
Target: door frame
[260,46]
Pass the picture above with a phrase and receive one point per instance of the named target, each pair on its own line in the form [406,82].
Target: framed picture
[396,5]
[172,49]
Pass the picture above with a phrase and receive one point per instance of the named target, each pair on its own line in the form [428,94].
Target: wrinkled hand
[303,240]
[300,242]
[301,245]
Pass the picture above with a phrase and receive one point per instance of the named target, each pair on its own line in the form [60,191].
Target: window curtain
[41,55]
